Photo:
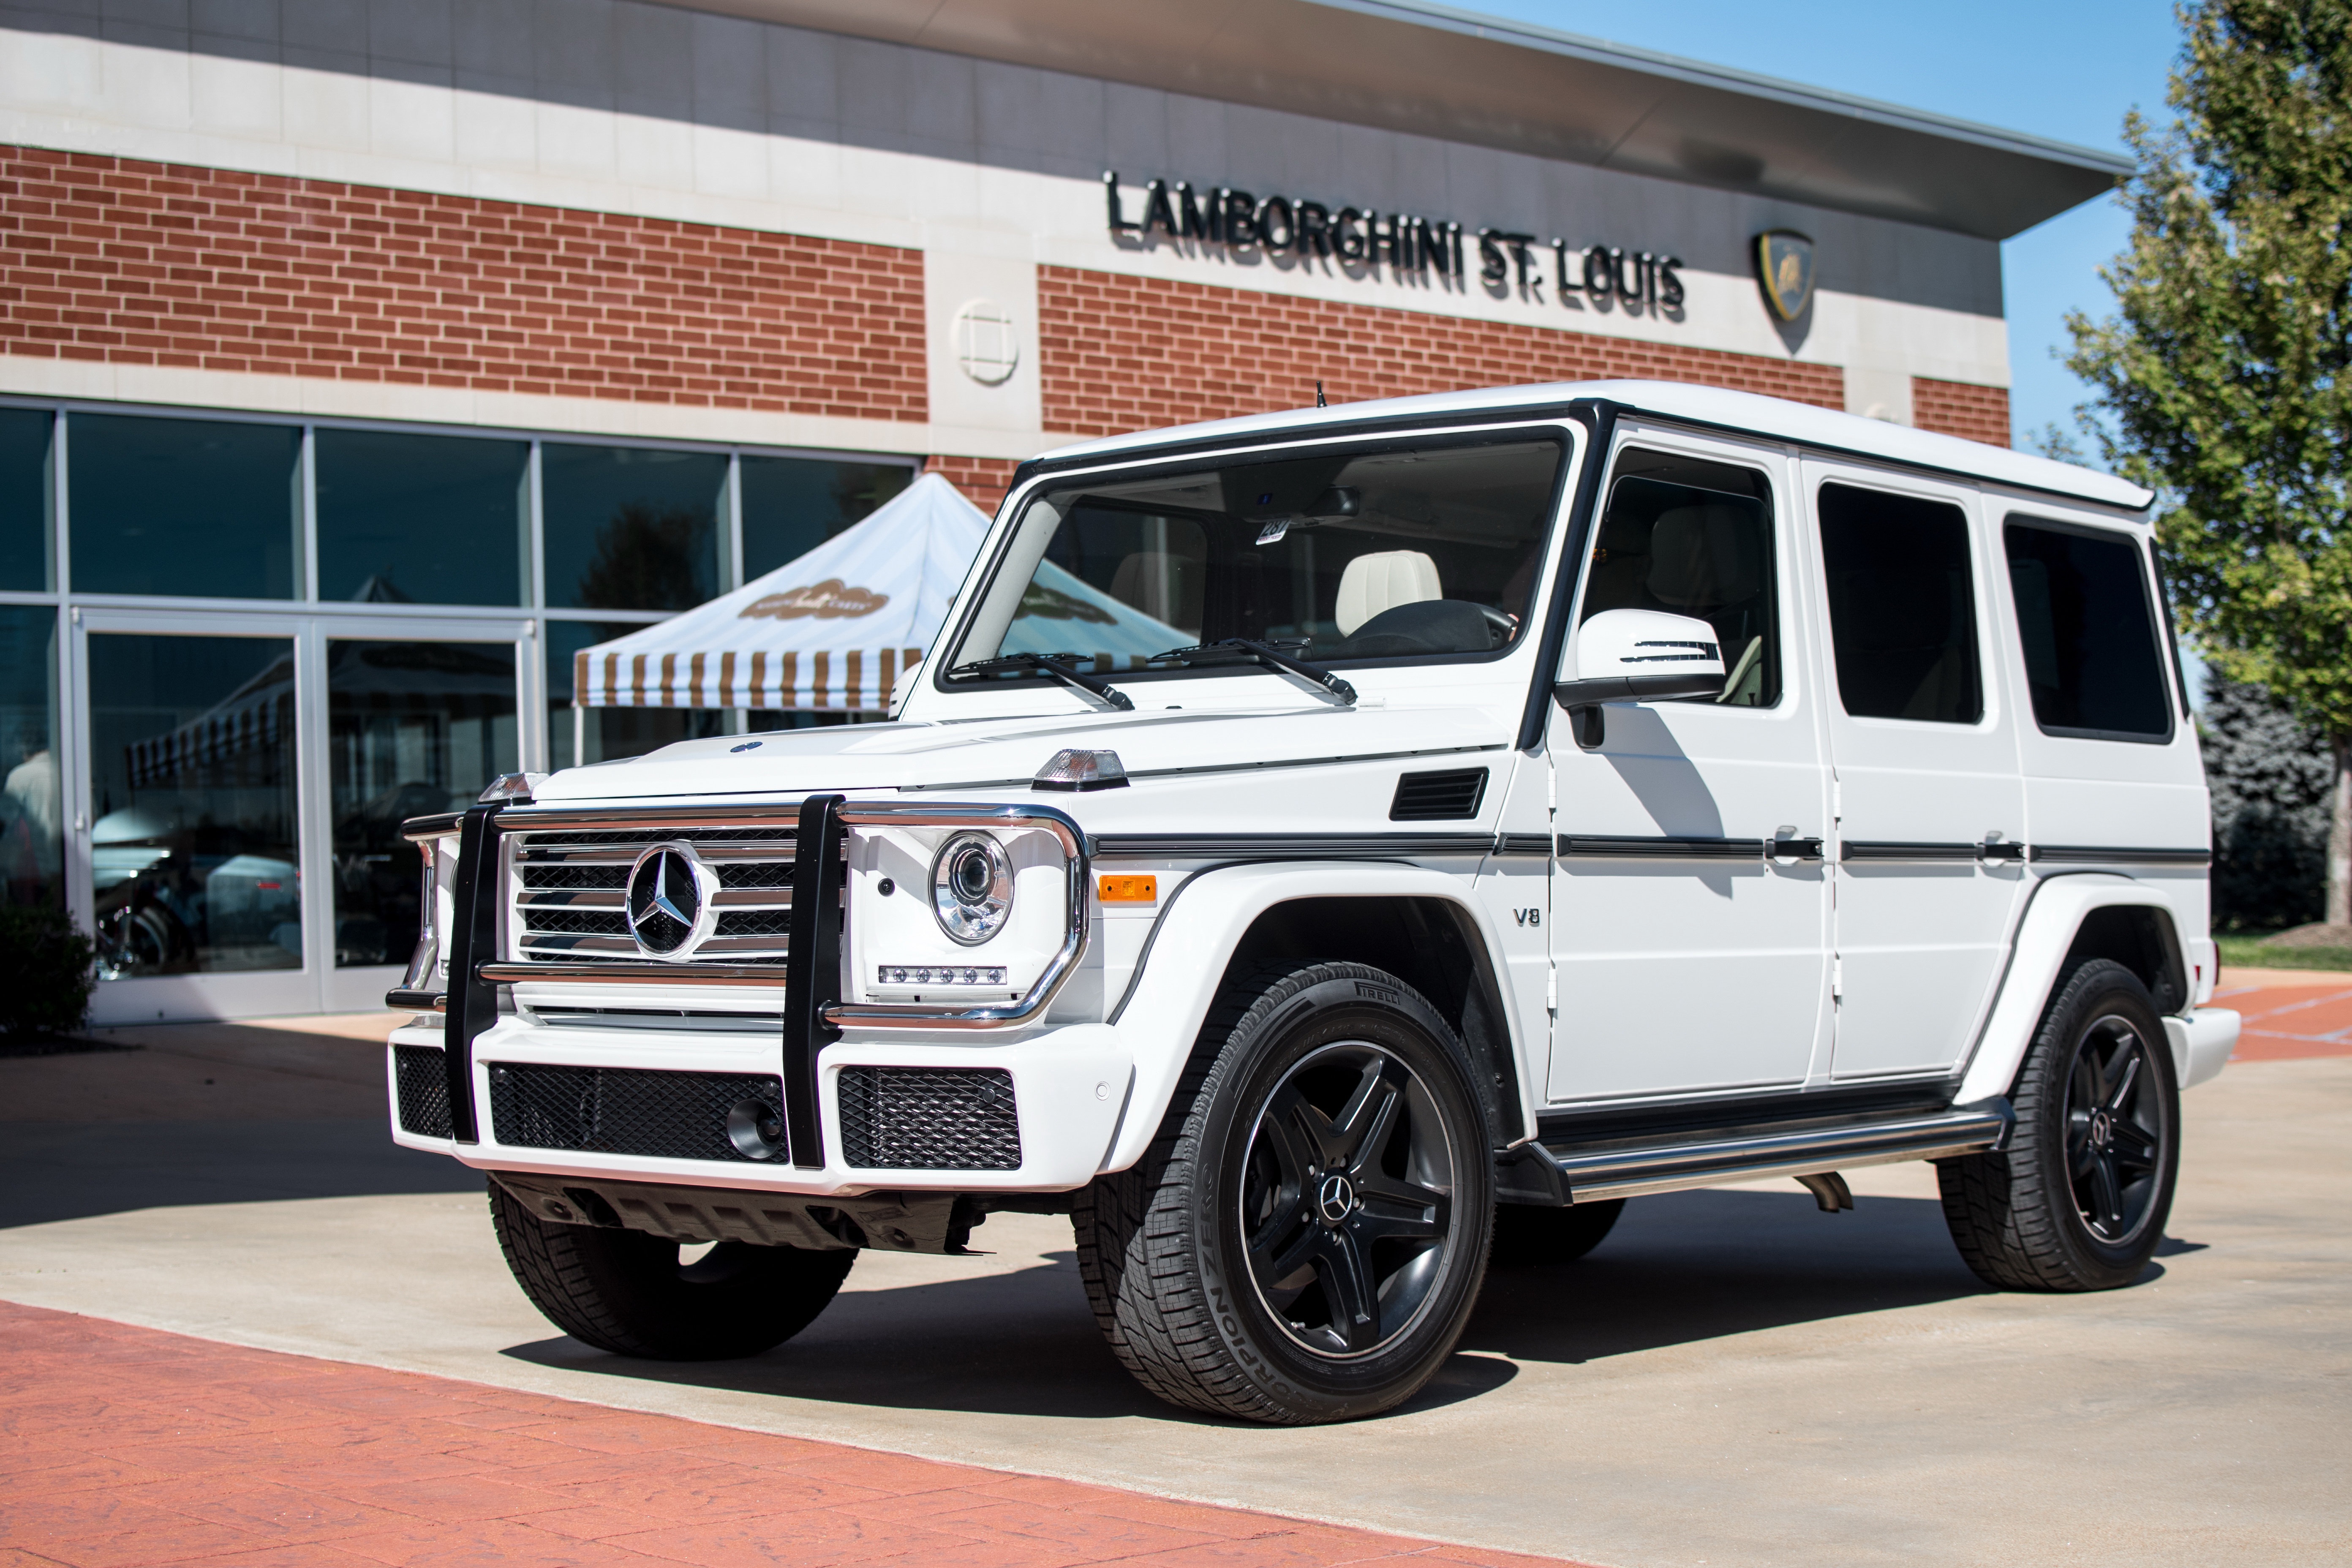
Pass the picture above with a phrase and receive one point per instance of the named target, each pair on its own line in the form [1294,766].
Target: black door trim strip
[1891,850]
[1613,846]
[2102,855]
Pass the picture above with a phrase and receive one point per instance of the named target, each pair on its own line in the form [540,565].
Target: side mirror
[1637,655]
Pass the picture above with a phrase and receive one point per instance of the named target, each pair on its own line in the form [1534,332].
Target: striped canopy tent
[833,630]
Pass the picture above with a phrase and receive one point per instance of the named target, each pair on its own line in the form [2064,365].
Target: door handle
[1785,846]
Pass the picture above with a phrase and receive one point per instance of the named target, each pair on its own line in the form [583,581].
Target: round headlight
[972,888]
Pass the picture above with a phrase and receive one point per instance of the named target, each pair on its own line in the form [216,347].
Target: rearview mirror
[1637,655]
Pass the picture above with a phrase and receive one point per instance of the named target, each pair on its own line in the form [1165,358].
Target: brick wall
[1961,408]
[982,481]
[105,258]
[1121,353]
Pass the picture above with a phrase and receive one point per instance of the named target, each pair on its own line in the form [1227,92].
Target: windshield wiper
[1053,664]
[1273,658]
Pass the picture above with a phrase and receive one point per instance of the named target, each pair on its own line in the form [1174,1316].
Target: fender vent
[1438,798]
[928,1119]
[422,1085]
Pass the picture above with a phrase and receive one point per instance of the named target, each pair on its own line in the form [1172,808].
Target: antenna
[1318,396]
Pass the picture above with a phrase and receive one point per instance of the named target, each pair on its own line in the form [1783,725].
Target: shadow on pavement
[1679,1269]
[56,1171]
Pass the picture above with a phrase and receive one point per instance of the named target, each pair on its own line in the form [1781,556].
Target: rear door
[1924,756]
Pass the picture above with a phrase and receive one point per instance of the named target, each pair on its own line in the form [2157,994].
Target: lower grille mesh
[422,1085]
[625,1111]
[930,1119]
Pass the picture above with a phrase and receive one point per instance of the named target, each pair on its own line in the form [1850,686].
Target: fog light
[756,1129]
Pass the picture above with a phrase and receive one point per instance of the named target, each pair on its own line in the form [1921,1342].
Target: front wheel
[631,1293]
[1305,1239]
[2079,1198]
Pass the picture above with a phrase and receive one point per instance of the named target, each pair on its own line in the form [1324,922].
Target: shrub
[2271,778]
[45,977]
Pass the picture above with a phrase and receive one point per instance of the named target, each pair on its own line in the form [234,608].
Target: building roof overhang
[1426,69]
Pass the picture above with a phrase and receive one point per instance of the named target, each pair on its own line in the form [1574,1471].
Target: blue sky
[2068,69]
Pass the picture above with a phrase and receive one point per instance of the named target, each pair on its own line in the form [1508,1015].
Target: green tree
[2222,376]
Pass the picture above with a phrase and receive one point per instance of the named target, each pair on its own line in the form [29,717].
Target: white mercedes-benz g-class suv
[1324,848]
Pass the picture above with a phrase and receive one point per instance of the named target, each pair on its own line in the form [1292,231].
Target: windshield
[1402,552]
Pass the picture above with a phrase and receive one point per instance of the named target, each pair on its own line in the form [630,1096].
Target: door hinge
[1837,977]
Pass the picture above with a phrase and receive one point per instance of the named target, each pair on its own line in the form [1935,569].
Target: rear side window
[1902,618]
[2086,617]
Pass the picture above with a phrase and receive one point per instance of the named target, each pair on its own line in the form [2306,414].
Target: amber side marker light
[1129,889]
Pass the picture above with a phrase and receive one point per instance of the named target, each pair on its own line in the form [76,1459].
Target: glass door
[241,791]
[190,807]
[419,717]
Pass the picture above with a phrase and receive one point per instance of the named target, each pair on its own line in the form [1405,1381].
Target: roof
[1428,70]
[1798,423]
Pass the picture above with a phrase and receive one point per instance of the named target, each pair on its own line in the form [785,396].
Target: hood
[1005,753]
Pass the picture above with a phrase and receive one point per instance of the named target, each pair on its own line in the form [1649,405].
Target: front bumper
[1071,1087]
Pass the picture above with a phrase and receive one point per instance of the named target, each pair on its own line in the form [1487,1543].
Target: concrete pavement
[1732,1378]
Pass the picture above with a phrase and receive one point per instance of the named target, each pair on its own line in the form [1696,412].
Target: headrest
[1371,584]
[1703,557]
[1163,583]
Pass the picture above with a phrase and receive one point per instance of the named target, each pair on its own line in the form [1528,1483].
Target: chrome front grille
[570,892]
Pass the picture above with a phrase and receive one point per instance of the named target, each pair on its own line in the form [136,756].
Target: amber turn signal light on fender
[1129,889]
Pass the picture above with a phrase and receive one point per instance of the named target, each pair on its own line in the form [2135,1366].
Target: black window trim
[1373,438]
[1987,718]
[2149,599]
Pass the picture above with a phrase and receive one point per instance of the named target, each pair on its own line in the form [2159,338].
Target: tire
[626,1292]
[1529,1237]
[2079,1198]
[1324,1153]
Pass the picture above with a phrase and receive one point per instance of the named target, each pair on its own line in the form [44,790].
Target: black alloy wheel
[1346,1202]
[2114,1130]
[2078,1198]
[1305,1238]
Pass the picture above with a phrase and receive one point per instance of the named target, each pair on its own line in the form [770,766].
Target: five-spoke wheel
[2077,1200]
[1348,1203]
[1305,1239]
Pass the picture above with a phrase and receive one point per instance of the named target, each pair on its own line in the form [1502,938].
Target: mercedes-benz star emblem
[1335,1198]
[665,900]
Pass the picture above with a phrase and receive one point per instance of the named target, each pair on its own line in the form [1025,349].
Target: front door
[1690,904]
[1931,811]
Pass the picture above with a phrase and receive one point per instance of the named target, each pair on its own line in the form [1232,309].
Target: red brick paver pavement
[2286,1023]
[121,1445]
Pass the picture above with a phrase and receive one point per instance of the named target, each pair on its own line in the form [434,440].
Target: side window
[1695,538]
[2093,661]
[1903,619]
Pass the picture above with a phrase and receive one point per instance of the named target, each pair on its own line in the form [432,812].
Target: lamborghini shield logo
[1784,265]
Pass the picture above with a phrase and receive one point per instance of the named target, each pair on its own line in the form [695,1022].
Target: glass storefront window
[24,491]
[31,802]
[413,729]
[792,505]
[427,520]
[630,528]
[610,734]
[184,506]
[193,805]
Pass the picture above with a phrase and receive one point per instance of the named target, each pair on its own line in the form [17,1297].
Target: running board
[1626,1169]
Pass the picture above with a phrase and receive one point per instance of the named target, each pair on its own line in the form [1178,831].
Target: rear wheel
[1304,1240]
[631,1293]
[2079,1198]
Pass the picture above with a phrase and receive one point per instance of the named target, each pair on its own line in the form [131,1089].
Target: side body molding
[1196,939]
[2043,937]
